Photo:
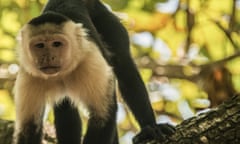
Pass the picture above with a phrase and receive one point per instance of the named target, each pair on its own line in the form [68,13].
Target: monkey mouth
[50,69]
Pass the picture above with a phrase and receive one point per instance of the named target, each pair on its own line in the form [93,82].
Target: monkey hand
[157,132]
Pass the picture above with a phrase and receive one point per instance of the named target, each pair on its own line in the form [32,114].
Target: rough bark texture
[218,126]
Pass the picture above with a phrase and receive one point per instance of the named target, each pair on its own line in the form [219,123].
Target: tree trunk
[218,126]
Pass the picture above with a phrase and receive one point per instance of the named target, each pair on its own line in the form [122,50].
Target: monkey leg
[67,123]
[102,131]
[28,125]
[30,133]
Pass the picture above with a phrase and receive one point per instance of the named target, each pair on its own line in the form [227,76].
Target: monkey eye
[57,44]
[39,45]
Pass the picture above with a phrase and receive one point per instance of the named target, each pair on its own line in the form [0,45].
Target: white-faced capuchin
[70,55]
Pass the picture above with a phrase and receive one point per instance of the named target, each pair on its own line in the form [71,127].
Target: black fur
[130,83]
[49,17]
[67,123]
[31,133]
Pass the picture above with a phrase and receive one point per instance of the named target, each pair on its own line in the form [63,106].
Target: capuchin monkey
[70,55]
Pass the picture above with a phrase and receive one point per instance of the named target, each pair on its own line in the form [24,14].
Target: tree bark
[218,126]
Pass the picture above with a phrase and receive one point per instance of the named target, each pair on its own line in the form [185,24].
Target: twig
[228,35]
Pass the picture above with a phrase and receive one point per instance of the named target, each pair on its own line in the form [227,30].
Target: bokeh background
[187,52]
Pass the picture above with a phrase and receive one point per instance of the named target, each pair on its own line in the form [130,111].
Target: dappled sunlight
[187,53]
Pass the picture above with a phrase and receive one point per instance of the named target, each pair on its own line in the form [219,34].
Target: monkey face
[49,52]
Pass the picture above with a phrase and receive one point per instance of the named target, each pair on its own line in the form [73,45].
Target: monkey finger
[146,134]
[149,133]
[166,128]
[157,132]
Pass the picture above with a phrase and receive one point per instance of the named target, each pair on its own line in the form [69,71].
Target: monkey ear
[82,38]
[80,31]
[19,36]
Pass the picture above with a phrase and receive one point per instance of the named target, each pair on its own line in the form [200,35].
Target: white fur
[85,77]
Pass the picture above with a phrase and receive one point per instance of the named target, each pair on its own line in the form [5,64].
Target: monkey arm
[130,83]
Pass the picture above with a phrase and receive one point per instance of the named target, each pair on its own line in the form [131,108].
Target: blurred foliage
[187,51]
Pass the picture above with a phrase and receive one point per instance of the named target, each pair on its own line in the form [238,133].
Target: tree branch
[218,126]
[228,35]
[179,71]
